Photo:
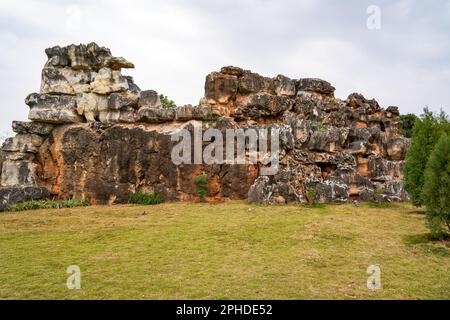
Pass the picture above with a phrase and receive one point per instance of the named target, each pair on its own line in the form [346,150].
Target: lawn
[221,251]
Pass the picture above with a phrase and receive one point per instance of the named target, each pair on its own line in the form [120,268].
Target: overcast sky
[174,44]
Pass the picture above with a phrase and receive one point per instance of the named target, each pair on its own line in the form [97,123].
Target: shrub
[47,204]
[201,183]
[311,194]
[378,192]
[426,132]
[406,124]
[166,102]
[436,187]
[140,197]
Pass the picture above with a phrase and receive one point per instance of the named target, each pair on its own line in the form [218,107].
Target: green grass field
[221,251]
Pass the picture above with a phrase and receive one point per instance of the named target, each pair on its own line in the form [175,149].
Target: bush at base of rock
[47,204]
[145,198]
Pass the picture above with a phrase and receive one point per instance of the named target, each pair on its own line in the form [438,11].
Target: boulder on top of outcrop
[85,57]
[315,85]
[233,71]
[255,83]
[392,112]
[52,109]
[357,101]
[220,88]
[285,86]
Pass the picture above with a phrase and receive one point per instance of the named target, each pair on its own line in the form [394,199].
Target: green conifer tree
[436,188]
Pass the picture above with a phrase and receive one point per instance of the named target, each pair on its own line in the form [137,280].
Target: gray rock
[18,173]
[396,190]
[52,109]
[260,105]
[201,112]
[156,115]
[107,81]
[392,111]
[261,191]
[233,71]
[327,139]
[89,56]
[117,63]
[42,129]
[357,101]
[65,81]
[327,191]
[17,156]
[315,85]
[117,101]
[384,170]
[254,83]
[57,57]
[12,195]
[125,115]
[285,86]
[149,99]
[92,106]
[26,143]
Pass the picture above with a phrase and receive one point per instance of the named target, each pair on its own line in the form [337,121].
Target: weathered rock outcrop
[95,134]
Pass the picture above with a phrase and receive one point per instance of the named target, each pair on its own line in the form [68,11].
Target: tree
[201,184]
[406,124]
[426,132]
[166,102]
[436,189]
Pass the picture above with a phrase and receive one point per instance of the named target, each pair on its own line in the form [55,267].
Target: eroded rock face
[95,134]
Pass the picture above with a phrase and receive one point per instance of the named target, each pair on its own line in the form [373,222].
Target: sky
[398,54]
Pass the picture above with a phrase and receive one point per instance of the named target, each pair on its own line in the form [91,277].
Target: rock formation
[95,134]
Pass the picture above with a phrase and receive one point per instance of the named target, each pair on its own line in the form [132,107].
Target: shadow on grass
[382,205]
[314,206]
[429,243]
